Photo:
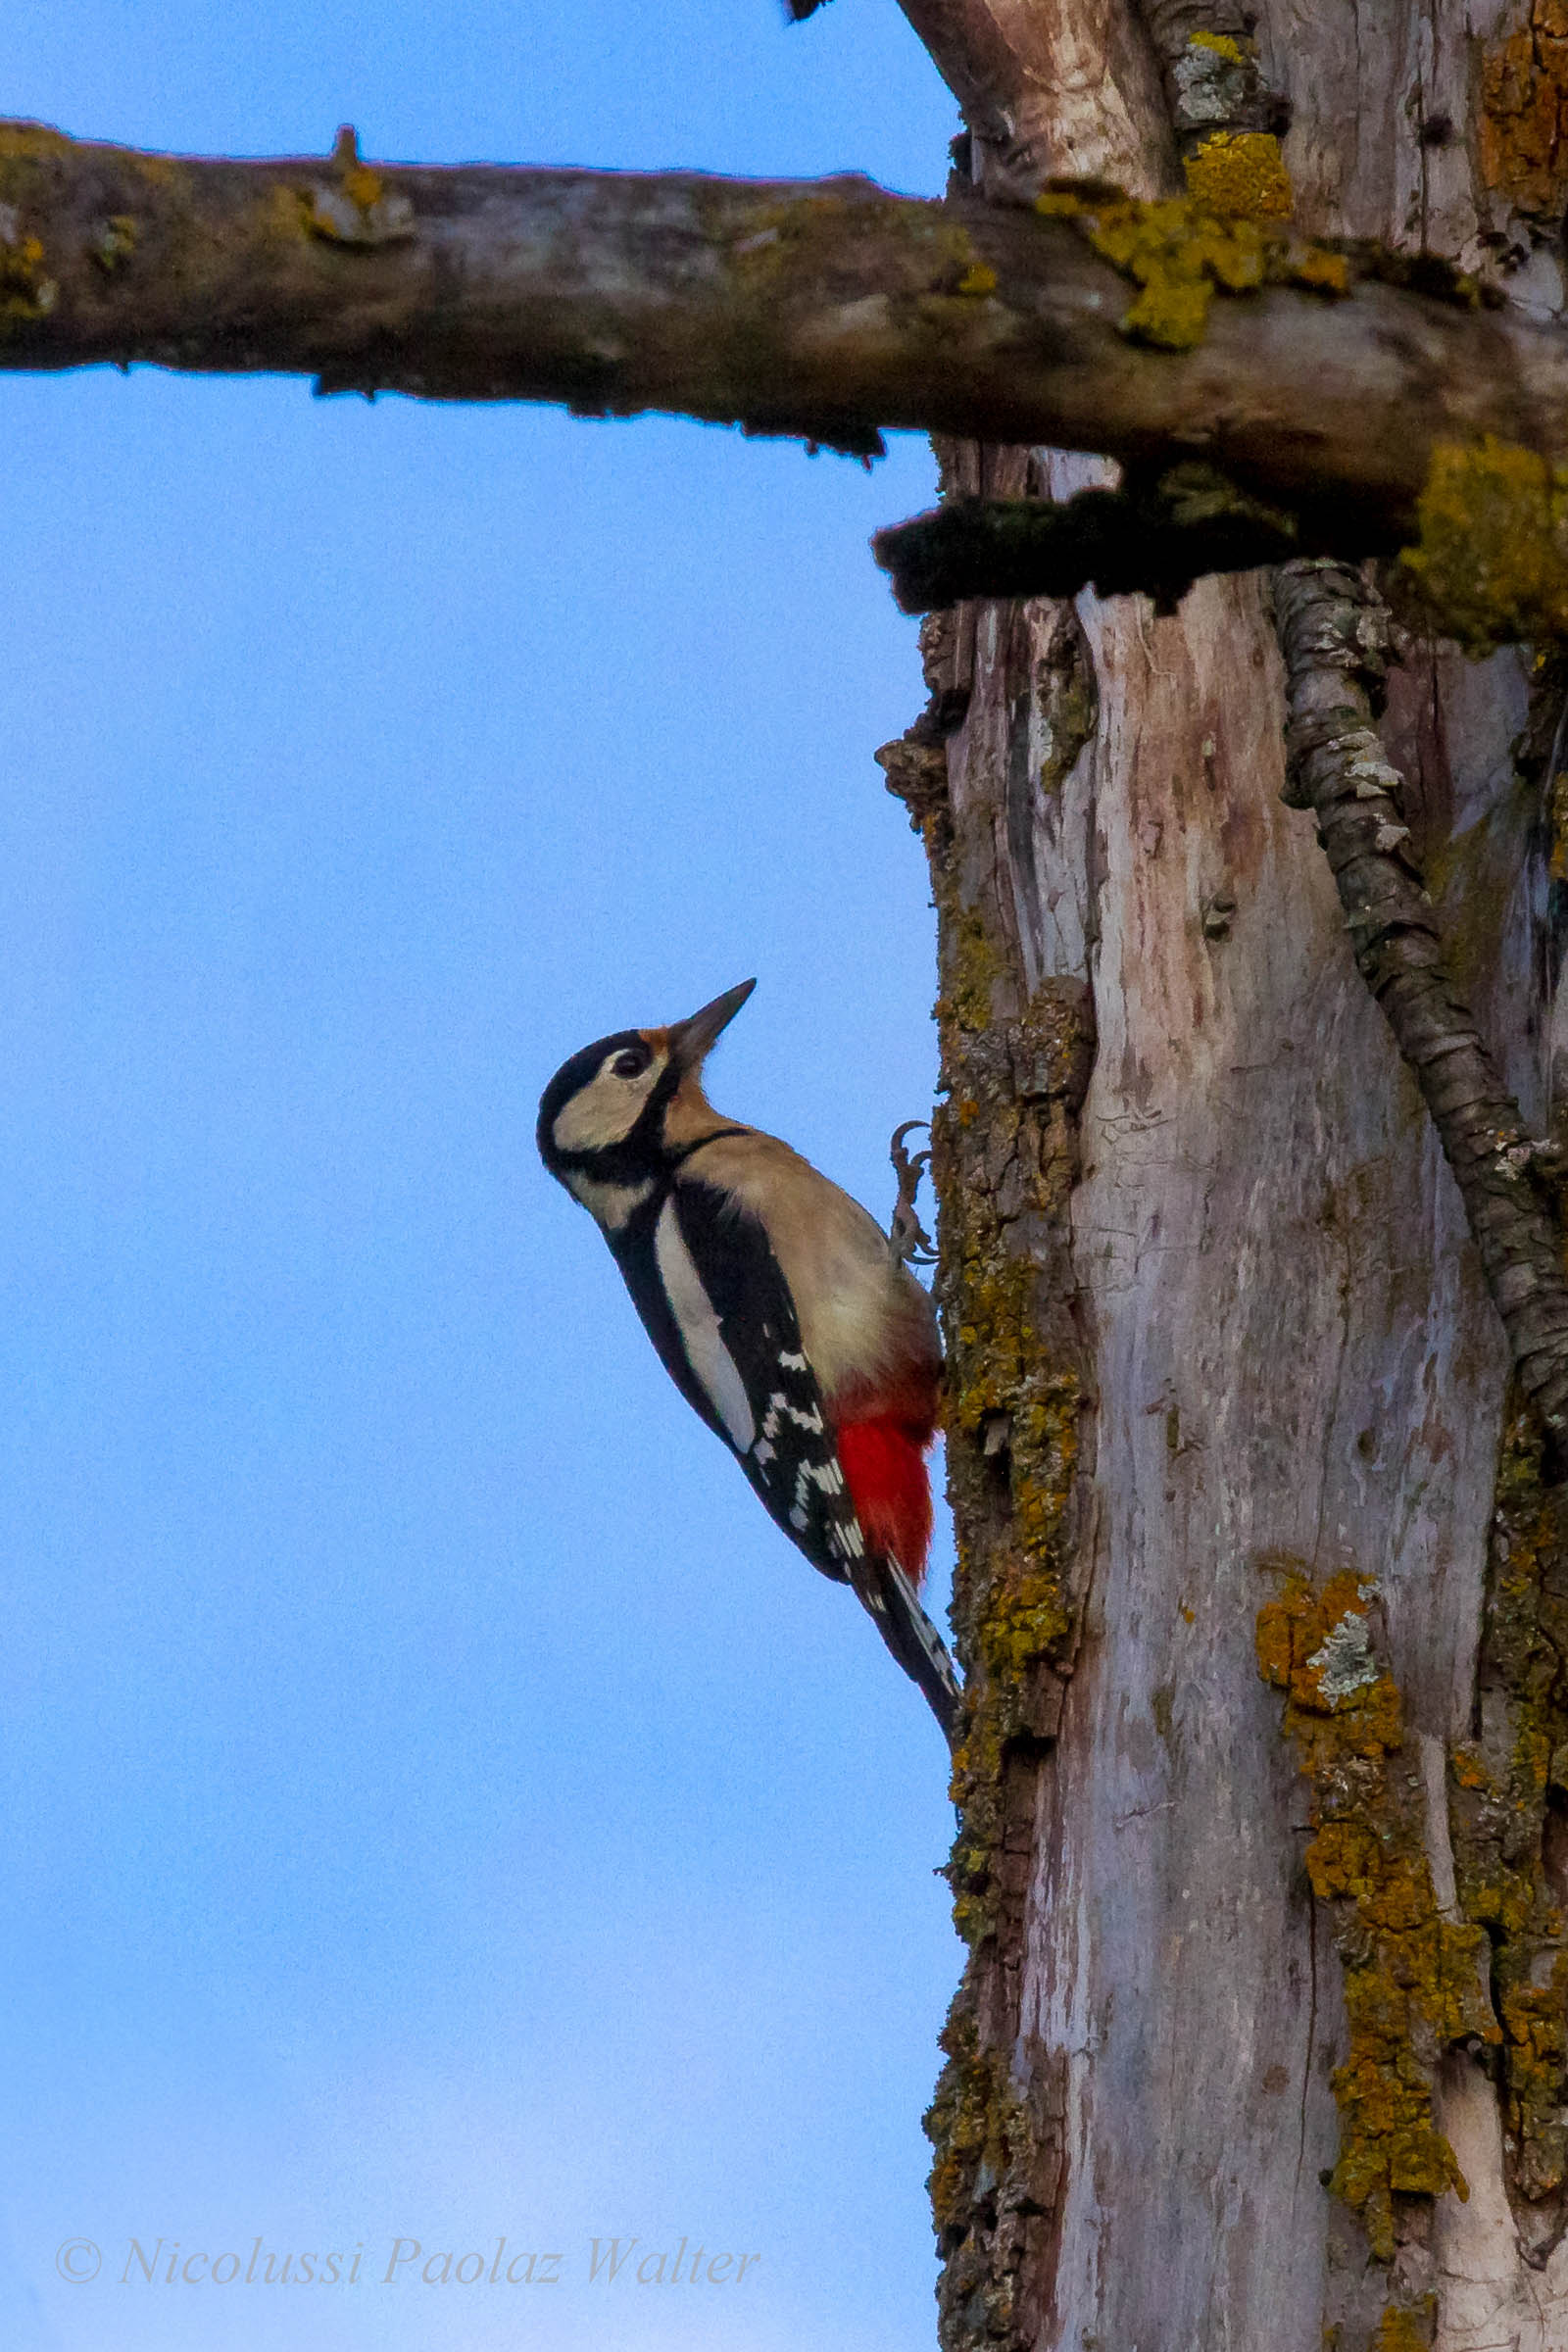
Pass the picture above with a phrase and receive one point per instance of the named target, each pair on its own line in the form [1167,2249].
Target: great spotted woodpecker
[780,1310]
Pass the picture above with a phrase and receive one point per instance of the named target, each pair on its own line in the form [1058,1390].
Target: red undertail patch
[883,1460]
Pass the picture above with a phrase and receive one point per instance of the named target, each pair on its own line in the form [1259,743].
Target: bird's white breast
[697,1324]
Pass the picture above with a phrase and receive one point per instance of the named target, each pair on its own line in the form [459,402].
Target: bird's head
[612,1116]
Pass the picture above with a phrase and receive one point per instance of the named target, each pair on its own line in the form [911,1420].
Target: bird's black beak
[691,1041]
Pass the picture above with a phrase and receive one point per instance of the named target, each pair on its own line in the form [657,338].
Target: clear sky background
[438,1804]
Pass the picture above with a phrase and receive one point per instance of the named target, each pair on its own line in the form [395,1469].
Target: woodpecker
[782,1313]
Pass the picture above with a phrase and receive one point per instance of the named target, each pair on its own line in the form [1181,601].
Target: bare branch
[826,308]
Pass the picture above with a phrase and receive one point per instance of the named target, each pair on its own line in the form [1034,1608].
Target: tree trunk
[1263,1593]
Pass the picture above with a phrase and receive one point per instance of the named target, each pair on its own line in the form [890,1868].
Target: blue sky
[439,1805]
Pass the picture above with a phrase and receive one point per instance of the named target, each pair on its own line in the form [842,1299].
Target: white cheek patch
[605,1111]
[710,1359]
[608,1204]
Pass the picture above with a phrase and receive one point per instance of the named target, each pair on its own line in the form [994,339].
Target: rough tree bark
[1263,1596]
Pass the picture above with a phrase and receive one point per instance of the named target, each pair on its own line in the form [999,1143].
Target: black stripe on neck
[681,1152]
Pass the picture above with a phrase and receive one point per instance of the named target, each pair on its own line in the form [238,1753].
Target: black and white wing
[714,1303]
[716,1307]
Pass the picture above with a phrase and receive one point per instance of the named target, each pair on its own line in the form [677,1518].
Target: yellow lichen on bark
[1221,43]
[1018,1614]
[1492,559]
[1506,1791]
[1241,174]
[1401,2330]
[1413,1981]
[27,290]
[1557,824]
[1003,1159]
[1181,253]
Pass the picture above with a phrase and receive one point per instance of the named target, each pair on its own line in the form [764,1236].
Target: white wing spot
[798,1517]
[792,1363]
[846,1540]
[710,1359]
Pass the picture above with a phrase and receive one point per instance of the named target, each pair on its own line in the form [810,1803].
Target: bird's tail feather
[888,1597]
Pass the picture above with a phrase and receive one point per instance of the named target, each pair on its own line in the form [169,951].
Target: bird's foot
[907,1237]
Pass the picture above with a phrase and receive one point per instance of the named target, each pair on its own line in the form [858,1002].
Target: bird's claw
[907,1237]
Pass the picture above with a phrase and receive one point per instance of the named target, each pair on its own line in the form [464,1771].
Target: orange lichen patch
[1308,1642]
[1241,174]
[1413,1980]
[1523,112]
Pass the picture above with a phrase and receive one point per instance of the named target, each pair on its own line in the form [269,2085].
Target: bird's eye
[632,1062]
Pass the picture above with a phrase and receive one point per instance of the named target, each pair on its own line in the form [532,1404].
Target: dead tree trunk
[1263,1843]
